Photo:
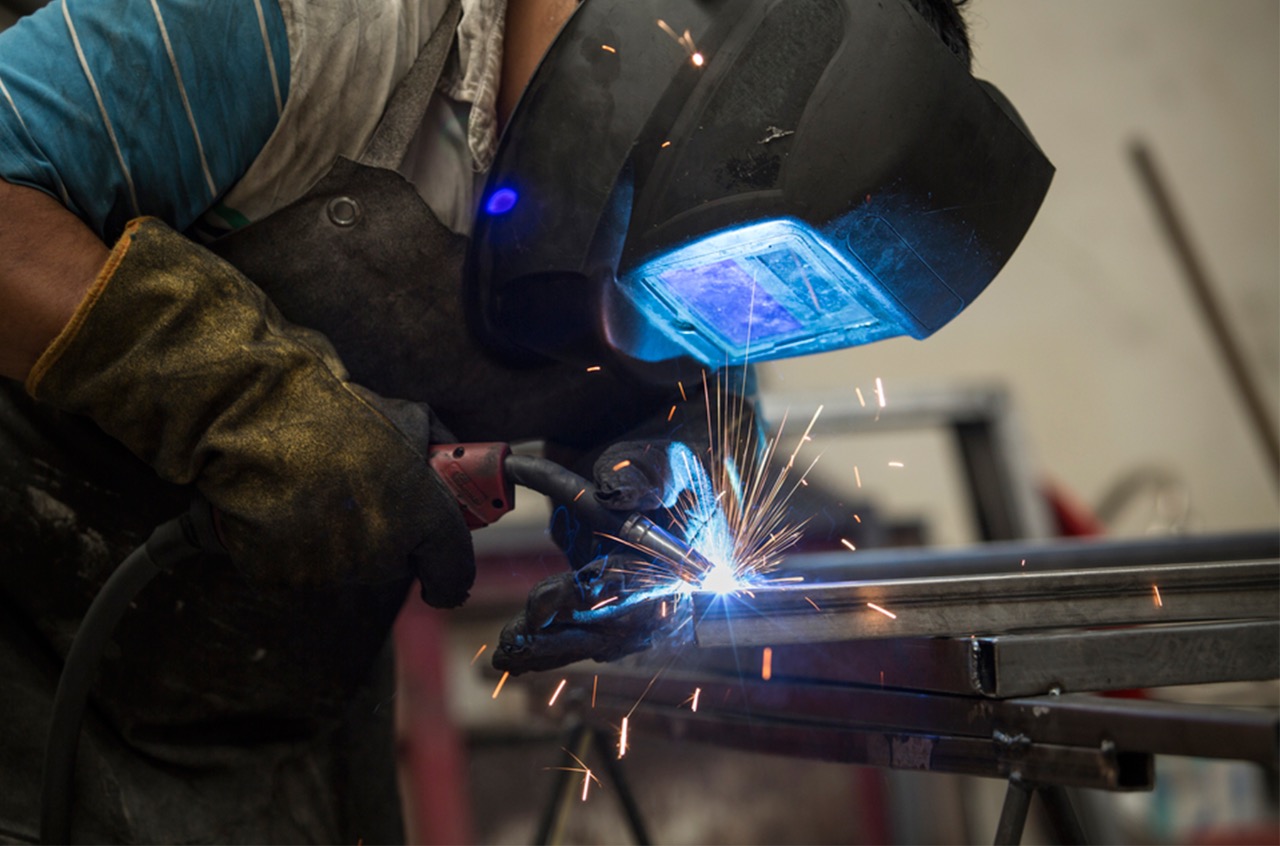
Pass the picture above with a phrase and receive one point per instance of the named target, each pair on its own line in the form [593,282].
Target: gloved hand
[595,612]
[663,466]
[315,480]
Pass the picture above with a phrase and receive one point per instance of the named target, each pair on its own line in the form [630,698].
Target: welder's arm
[48,259]
[174,353]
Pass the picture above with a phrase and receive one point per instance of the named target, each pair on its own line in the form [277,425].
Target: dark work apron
[226,712]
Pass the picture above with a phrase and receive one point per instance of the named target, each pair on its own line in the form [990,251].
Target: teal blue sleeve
[121,108]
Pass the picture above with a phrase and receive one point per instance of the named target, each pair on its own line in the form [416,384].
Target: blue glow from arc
[501,201]
[706,526]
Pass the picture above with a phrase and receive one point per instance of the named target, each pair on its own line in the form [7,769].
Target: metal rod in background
[1201,288]
[626,799]
[1013,814]
[555,815]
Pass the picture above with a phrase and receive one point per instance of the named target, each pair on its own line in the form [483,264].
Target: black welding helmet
[735,180]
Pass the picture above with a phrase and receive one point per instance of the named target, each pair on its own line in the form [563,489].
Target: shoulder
[128,107]
[346,57]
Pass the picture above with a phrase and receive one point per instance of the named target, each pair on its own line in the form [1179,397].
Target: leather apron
[225,711]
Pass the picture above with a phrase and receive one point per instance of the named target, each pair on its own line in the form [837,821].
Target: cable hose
[564,487]
[170,543]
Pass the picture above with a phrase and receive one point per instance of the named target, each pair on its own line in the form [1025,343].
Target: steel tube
[975,605]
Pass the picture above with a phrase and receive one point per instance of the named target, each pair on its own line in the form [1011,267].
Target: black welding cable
[570,490]
[565,488]
[170,543]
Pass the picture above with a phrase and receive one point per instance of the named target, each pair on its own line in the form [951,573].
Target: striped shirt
[212,113]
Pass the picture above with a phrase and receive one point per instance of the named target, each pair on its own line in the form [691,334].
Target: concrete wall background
[1091,325]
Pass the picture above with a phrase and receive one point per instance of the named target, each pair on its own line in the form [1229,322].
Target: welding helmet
[734,180]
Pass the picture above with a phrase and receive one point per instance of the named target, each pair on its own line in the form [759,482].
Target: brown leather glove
[177,355]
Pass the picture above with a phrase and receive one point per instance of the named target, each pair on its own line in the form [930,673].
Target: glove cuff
[71,330]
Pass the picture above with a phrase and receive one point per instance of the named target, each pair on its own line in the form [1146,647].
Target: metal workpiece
[1040,556]
[1114,659]
[989,604]
[1002,666]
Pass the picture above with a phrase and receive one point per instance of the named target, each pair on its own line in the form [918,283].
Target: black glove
[596,612]
[659,468]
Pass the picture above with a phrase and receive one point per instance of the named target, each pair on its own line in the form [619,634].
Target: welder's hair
[944,16]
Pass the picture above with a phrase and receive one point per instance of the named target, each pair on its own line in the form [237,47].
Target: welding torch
[481,477]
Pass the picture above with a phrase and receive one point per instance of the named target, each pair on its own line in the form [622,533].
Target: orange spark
[622,738]
[857,477]
[814,604]
[594,682]
[501,682]
[896,464]
[846,543]
[685,41]
[479,652]
[766,663]
[580,493]
[880,391]
[602,603]
[1159,601]
[888,614]
[857,519]
[595,368]
[556,695]
[861,400]
[683,396]
[608,48]
[697,691]
[624,463]
[666,144]
[587,775]
[671,413]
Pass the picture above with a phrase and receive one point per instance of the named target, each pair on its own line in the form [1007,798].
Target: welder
[268,252]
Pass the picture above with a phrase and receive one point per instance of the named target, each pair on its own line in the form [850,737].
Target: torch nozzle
[644,534]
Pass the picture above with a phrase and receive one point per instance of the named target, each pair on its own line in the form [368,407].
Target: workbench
[987,661]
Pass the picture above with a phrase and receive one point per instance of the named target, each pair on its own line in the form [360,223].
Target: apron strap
[408,103]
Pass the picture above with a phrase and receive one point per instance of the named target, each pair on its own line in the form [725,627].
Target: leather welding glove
[595,612]
[316,481]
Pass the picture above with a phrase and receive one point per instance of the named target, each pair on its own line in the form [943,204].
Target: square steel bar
[989,604]
[1002,666]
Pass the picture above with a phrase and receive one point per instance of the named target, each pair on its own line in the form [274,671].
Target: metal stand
[1017,802]
[1013,815]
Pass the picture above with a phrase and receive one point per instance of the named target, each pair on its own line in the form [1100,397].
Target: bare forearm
[48,259]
